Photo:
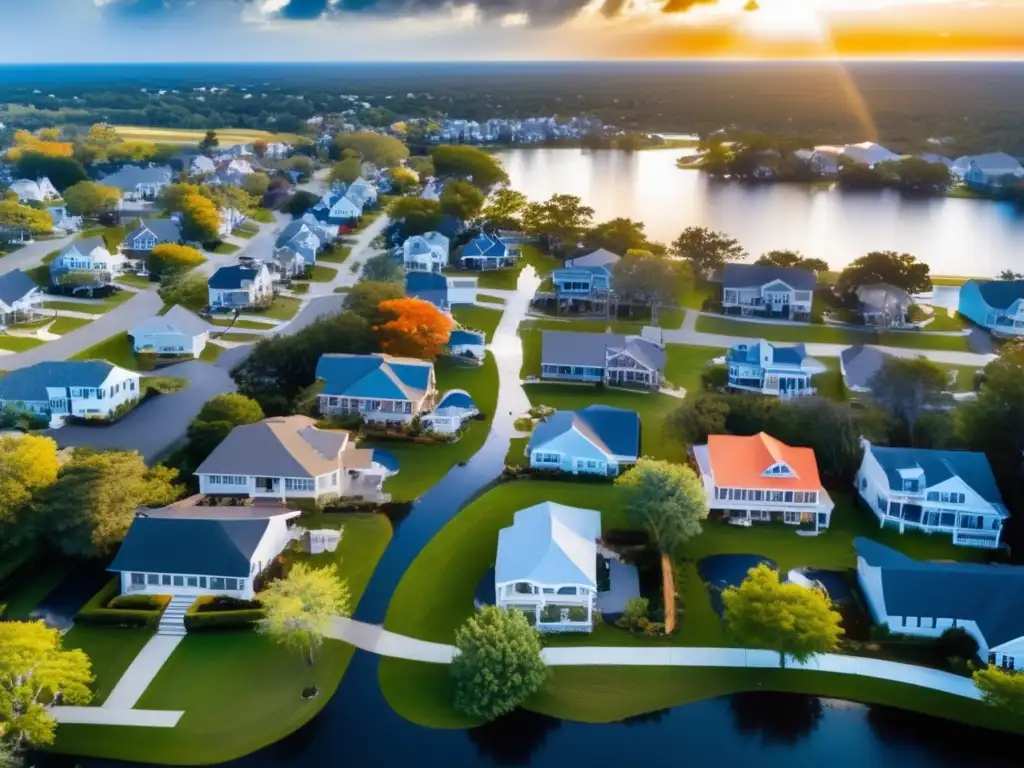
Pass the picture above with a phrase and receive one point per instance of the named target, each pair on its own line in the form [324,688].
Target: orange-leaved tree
[416,329]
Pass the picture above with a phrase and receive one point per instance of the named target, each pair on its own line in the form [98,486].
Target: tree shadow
[780,718]
[513,739]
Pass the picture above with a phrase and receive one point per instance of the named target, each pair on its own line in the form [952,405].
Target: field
[227,136]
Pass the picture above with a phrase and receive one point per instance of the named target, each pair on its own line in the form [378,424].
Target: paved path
[141,671]
[147,718]
[375,639]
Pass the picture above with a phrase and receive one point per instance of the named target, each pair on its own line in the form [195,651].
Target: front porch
[966,529]
[806,519]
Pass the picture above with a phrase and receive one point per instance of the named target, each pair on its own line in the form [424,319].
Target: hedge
[199,617]
[96,611]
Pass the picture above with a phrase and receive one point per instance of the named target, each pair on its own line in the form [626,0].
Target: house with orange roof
[761,479]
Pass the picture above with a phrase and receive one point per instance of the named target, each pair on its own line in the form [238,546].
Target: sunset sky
[342,30]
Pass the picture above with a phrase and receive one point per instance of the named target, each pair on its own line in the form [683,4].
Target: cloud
[682,6]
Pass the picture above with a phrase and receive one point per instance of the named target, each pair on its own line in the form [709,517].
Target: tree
[300,202]
[461,200]
[787,618]
[27,465]
[209,142]
[707,251]
[907,387]
[994,422]
[899,269]
[13,215]
[562,220]
[88,510]
[87,198]
[416,328]
[367,295]
[469,164]
[667,499]
[832,430]
[37,673]
[697,418]
[189,289]
[383,268]
[498,665]
[1002,690]
[169,259]
[301,164]
[403,180]
[792,259]
[200,219]
[256,184]
[917,175]
[301,607]
[62,172]
[346,171]
[617,235]
[421,165]
[259,148]
[417,214]
[172,197]
[640,277]
[504,210]
[377,148]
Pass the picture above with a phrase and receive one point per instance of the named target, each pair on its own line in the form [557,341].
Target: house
[62,219]
[86,256]
[869,153]
[178,332]
[770,369]
[20,297]
[443,291]
[597,440]
[760,479]
[230,220]
[288,457]
[297,246]
[950,492]
[585,282]
[149,234]
[337,209]
[362,193]
[997,305]
[599,258]
[38,191]
[884,305]
[984,171]
[455,408]
[239,287]
[925,598]
[425,253]
[379,388]
[138,183]
[466,343]
[757,289]
[486,252]
[188,556]
[824,161]
[546,566]
[87,389]
[601,357]
[232,170]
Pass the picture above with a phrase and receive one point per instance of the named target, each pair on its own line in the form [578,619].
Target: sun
[785,18]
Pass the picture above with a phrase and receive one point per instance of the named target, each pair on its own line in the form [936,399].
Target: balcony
[968,537]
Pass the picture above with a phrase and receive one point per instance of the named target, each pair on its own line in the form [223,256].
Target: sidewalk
[141,671]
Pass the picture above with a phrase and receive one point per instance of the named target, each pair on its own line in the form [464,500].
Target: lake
[955,237]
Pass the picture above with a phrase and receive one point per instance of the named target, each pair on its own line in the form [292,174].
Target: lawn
[478,319]
[336,254]
[283,308]
[531,341]
[684,364]
[33,582]
[953,280]
[240,338]
[693,292]
[943,321]
[226,249]
[826,334]
[210,352]
[116,349]
[63,325]
[110,649]
[421,466]
[490,298]
[136,281]
[499,279]
[632,327]
[239,691]
[243,233]
[253,325]
[322,274]
[112,236]
[93,308]
[543,263]
[19,343]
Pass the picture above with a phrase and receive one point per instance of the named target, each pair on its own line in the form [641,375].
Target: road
[32,255]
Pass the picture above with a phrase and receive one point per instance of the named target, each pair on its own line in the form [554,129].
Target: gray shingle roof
[164,230]
[615,431]
[756,275]
[882,297]
[589,349]
[131,176]
[861,363]
[176,320]
[85,246]
[1000,294]
[30,383]
[14,286]
[990,595]
[190,546]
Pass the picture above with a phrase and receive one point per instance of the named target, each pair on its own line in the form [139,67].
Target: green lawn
[943,321]
[541,262]
[210,352]
[336,254]
[111,650]
[693,292]
[322,274]
[136,281]
[19,343]
[116,349]
[239,691]
[421,466]
[64,325]
[478,319]
[252,325]
[226,249]
[93,308]
[490,298]
[283,308]
[516,454]
[51,256]
[826,334]
[240,338]
[684,364]
[531,341]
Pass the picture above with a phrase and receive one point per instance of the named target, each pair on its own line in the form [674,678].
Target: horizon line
[967,59]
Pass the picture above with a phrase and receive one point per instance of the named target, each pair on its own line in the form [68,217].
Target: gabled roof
[938,466]
[428,286]
[456,398]
[294,228]
[613,431]
[999,294]
[164,230]
[176,320]
[85,246]
[752,353]
[15,285]
[599,258]
[590,349]
[462,336]
[374,376]
[190,546]
[740,462]
[992,596]
[484,245]
[757,275]
[231,278]
[861,363]
[129,177]
[880,297]
[993,162]
[282,446]
[30,383]
[549,544]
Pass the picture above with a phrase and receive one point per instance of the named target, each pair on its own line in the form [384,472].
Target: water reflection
[513,739]
[779,718]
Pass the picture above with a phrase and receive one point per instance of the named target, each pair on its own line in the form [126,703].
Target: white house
[597,440]
[612,358]
[378,388]
[455,408]
[230,219]
[20,297]
[546,566]
[38,191]
[756,289]
[148,235]
[925,598]
[467,343]
[772,369]
[89,255]
[948,492]
[239,287]
[426,253]
[178,332]
[91,389]
[869,153]
[138,183]
[63,220]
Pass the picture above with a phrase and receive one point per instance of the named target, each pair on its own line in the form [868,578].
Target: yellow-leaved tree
[27,465]
[301,607]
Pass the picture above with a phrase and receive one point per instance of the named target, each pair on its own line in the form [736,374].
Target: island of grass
[239,691]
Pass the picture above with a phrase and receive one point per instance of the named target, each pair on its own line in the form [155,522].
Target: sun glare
[785,18]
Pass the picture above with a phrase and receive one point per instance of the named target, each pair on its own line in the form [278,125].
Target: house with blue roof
[89,389]
[925,598]
[467,343]
[87,256]
[770,369]
[597,440]
[380,388]
[997,305]
[948,492]
[443,291]
[761,289]
[455,408]
[487,252]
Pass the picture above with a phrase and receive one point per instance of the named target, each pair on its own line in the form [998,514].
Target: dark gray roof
[861,363]
[589,349]
[615,431]
[750,275]
[230,278]
[30,383]
[1000,294]
[85,246]
[164,230]
[990,595]
[190,546]
[176,320]
[882,297]
[15,285]
[131,176]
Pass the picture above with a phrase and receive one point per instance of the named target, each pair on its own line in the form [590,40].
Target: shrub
[634,615]
[523,425]
[201,617]
[108,609]
[140,602]
[208,604]
[714,378]
[956,641]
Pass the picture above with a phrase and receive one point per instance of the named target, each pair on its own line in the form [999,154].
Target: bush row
[109,609]
[207,614]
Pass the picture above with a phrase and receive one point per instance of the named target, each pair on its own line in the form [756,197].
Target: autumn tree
[301,607]
[1002,690]
[87,198]
[461,200]
[209,142]
[14,215]
[504,210]
[403,180]
[345,171]
[377,148]
[484,170]
[899,269]
[907,387]
[561,220]
[27,465]
[707,251]
[200,219]
[667,500]
[785,258]
[416,328]
[787,618]
[169,259]
[617,235]
[421,165]
[417,214]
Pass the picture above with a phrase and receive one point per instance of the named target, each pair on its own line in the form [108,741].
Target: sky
[444,30]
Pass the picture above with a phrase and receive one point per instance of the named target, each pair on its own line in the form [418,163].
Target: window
[910,486]
[193,581]
[759,495]
[299,484]
[179,581]
[798,497]
[152,578]
[165,580]
[232,583]
[216,582]
[138,579]
[933,496]
[881,504]
[202,582]
[789,497]
[944,497]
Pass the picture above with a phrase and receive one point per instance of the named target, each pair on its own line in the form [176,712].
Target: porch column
[590,608]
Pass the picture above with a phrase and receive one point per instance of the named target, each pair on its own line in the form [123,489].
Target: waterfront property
[425,253]
[769,369]
[177,332]
[379,388]
[884,305]
[19,297]
[288,457]
[758,478]
[756,289]
[997,305]
[487,252]
[983,172]
[611,358]
[239,287]
[949,492]
[455,408]
[443,291]
[586,277]
[596,440]
[89,389]
[89,258]
[925,598]
[546,566]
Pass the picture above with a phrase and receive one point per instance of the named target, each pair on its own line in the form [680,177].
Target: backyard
[478,319]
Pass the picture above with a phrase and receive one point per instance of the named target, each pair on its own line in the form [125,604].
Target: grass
[684,364]
[136,281]
[633,327]
[240,338]
[239,691]
[164,385]
[826,334]
[943,321]
[543,263]
[211,352]
[226,249]
[51,256]
[226,136]
[244,233]
[97,308]
[342,289]
[422,693]
[322,274]
[63,325]
[110,650]
[490,298]
[478,318]
[693,292]
[498,279]
[40,275]
[117,349]
[282,308]
[336,254]
[253,325]
[421,466]
[19,343]
[516,454]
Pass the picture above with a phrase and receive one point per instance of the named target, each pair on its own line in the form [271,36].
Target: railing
[976,538]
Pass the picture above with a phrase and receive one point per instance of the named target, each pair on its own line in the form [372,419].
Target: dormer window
[781,469]
[910,486]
